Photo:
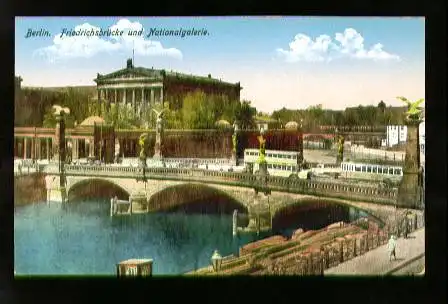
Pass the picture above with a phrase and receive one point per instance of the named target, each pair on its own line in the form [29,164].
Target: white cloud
[66,47]
[350,44]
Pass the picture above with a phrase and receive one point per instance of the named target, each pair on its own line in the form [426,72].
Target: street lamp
[216,261]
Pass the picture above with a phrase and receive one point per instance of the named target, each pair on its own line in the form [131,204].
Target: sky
[291,62]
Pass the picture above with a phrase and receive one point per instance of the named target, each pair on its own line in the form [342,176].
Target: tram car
[279,163]
[382,173]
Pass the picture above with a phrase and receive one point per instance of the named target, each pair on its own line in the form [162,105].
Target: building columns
[133,100]
[152,96]
[124,96]
[75,149]
[91,147]
[48,148]
[25,142]
[161,95]
[39,148]
[115,100]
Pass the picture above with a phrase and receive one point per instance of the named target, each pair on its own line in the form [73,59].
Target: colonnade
[138,97]
[44,147]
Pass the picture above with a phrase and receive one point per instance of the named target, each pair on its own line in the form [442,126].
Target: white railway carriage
[371,171]
[279,163]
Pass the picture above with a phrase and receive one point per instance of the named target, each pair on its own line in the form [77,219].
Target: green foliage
[122,117]
[245,114]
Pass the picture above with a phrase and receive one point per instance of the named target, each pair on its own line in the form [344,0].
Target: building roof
[291,125]
[223,123]
[160,74]
[90,121]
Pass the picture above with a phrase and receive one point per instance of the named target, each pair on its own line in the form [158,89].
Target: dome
[90,121]
[223,123]
[292,125]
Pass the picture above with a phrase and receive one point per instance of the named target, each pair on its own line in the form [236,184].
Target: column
[124,96]
[91,146]
[48,148]
[39,148]
[33,150]
[115,96]
[161,95]
[152,96]
[75,149]
[25,142]
[142,105]
[133,99]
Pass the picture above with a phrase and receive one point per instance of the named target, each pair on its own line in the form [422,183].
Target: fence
[275,183]
[346,248]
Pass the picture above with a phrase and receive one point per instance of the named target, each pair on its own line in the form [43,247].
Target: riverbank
[29,189]
[305,253]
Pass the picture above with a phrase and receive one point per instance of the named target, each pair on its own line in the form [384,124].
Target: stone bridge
[252,192]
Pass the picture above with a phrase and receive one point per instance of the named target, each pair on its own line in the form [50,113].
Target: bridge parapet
[275,183]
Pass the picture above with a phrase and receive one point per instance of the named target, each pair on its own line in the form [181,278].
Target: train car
[374,172]
[279,163]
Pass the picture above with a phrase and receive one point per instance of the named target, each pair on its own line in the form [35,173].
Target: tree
[122,117]
[196,114]
[245,115]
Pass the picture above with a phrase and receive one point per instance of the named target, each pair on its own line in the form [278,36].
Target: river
[81,238]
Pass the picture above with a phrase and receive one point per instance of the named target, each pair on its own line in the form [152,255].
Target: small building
[266,123]
[395,135]
[135,267]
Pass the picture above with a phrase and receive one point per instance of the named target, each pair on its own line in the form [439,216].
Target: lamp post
[216,261]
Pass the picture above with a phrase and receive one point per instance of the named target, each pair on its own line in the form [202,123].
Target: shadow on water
[313,215]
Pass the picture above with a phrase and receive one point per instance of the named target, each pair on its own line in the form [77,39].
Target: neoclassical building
[140,87]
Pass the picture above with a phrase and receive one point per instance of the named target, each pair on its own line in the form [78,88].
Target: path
[376,261]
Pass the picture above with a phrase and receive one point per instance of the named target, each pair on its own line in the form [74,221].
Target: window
[283,167]
[269,155]
[269,166]
[289,168]
[369,169]
[396,171]
[375,169]
[358,168]
[384,170]
[391,171]
[294,157]
[275,155]
[364,169]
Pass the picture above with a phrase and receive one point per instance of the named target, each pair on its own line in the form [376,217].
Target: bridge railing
[276,183]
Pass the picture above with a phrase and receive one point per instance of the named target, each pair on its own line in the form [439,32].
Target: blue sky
[291,62]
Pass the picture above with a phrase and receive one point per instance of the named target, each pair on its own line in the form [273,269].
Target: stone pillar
[133,99]
[142,105]
[48,149]
[33,148]
[115,99]
[75,149]
[91,147]
[409,189]
[124,96]
[152,96]
[161,95]
[39,148]
[25,142]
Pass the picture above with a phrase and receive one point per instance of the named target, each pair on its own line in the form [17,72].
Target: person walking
[391,246]
[405,227]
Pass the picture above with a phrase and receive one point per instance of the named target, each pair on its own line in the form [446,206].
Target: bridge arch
[96,188]
[197,198]
[313,213]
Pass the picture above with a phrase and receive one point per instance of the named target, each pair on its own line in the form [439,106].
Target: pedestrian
[391,246]
[406,227]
